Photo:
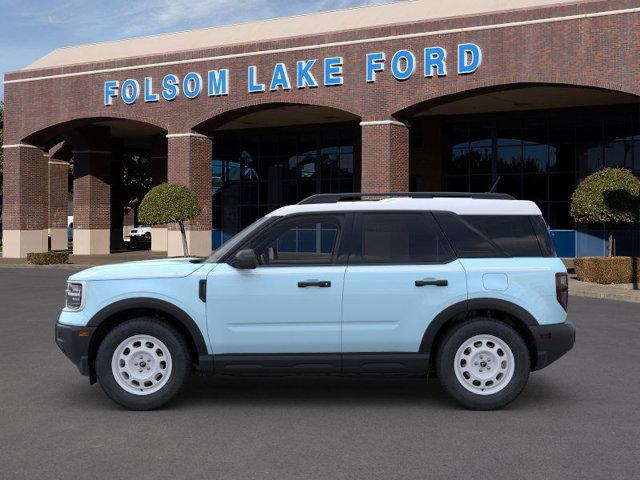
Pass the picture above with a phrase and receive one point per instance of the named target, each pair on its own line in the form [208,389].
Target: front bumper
[74,343]
[552,341]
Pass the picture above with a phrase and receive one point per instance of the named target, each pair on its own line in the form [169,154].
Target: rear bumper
[74,343]
[552,342]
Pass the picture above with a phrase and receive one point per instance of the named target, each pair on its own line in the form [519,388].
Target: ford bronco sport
[465,287]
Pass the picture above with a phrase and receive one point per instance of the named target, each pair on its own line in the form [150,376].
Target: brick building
[417,95]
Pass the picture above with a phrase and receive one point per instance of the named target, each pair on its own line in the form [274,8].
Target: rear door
[401,274]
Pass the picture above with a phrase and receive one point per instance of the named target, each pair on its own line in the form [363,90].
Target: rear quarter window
[474,236]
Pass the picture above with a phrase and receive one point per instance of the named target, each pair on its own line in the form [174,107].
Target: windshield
[237,239]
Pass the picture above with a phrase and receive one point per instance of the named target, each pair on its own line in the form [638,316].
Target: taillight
[562,289]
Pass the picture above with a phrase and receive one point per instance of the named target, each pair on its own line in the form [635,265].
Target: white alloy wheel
[141,364]
[484,364]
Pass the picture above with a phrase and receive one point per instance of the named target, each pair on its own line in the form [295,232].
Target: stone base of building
[91,242]
[198,242]
[17,243]
[159,239]
[59,239]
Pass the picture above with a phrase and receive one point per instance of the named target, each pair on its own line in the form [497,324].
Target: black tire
[180,361]
[445,363]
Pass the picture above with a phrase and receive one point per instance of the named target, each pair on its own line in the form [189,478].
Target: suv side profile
[465,287]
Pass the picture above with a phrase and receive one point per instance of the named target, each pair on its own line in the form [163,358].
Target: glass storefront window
[540,155]
[259,170]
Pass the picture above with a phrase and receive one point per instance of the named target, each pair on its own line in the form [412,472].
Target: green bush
[169,203]
[48,258]
[611,195]
[606,270]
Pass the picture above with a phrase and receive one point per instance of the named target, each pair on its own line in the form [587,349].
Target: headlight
[73,296]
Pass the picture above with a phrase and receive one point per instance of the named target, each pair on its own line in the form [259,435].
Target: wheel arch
[118,312]
[507,312]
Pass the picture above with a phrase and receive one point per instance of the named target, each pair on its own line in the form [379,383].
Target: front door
[292,302]
[401,275]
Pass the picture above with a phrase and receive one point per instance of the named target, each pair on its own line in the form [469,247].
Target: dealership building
[411,96]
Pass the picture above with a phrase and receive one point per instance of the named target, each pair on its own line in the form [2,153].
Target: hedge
[48,258]
[606,270]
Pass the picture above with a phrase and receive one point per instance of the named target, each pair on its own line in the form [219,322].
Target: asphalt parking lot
[579,418]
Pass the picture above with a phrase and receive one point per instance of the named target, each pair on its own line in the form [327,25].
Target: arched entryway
[100,166]
[267,156]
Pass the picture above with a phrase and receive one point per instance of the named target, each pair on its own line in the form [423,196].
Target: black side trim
[461,309]
[402,363]
[392,363]
[456,310]
[154,304]
[283,364]
[504,306]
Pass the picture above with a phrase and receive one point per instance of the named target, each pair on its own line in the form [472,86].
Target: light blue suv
[465,287]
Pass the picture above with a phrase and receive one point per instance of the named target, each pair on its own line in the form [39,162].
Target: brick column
[385,156]
[58,190]
[189,164]
[25,211]
[158,175]
[92,192]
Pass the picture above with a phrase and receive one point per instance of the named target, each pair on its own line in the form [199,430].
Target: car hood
[164,268]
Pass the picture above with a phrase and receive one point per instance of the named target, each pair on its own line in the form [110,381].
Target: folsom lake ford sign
[309,73]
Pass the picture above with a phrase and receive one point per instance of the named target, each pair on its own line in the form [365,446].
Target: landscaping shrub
[170,203]
[606,270]
[48,258]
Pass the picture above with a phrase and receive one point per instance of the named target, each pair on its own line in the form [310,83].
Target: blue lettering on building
[304,73]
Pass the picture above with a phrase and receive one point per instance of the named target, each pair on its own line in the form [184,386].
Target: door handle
[431,282]
[314,283]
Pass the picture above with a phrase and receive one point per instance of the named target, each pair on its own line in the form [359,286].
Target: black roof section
[340,197]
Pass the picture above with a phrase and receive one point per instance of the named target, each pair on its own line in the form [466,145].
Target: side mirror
[245,259]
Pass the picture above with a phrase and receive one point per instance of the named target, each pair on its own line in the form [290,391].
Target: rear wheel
[142,363]
[483,364]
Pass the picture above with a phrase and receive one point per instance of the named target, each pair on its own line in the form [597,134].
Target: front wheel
[483,364]
[142,363]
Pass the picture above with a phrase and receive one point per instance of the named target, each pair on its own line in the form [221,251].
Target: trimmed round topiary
[169,203]
[611,195]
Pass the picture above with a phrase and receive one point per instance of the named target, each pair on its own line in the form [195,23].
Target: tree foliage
[611,195]
[136,179]
[169,203]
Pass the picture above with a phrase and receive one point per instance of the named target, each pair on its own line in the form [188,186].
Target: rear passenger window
[514,234]
[474,236]
[466,241]
[544,239]
[402,238]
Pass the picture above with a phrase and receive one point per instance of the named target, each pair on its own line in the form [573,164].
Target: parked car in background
[140,238]
[466,287]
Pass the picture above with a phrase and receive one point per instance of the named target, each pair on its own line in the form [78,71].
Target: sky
[29,29]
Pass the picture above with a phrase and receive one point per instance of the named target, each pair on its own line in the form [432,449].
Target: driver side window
[303,241]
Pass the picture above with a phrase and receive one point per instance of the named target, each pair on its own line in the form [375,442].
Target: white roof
[461,206]
[286,27]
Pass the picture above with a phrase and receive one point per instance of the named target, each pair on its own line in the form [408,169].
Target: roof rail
[339,197]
